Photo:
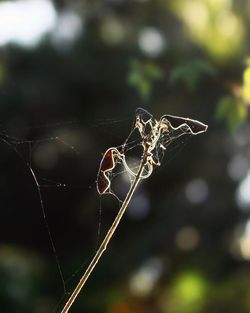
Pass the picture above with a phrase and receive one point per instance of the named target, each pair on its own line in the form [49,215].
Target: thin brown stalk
[105,241]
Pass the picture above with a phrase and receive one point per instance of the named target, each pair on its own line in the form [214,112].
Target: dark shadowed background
[72,74]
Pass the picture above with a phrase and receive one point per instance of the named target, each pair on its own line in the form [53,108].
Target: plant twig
[106,240]
[152,143]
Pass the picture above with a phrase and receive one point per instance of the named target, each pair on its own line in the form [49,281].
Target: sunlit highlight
[151,42]
[243,193]
[24,22]
[68,28]
[246,85]
[143,282]
[240,247]
[213,25]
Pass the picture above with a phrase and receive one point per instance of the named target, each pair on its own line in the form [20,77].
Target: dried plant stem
[105,241]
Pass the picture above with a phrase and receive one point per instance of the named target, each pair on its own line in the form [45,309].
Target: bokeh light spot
[143,282]
[187,238]
[113,31]
[243,193]
[197,191]
[240,246]
[25,21]
[67,29]
[187,293]
[151,41]
[237,167]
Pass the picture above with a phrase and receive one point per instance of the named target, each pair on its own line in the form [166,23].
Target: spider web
[29,152]
[121,176]
[133,150]
[19,146]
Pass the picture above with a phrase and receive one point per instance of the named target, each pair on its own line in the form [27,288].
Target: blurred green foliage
[214,25]
[190,73]
[67,99]
[188,293]
[142,75]
[246,84]
[21,280]
[232,110]
[2,73]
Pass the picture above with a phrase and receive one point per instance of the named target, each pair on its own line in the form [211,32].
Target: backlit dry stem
[106,240]
[152,142]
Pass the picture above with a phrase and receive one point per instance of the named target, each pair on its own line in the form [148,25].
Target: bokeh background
[72,74]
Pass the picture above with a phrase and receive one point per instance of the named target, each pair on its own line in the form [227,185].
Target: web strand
[153,137]
[29,166]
